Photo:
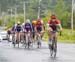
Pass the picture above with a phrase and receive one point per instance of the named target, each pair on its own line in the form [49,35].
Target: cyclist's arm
[60,27]
[59,24]
[42,28]
[31,27]
[48,26]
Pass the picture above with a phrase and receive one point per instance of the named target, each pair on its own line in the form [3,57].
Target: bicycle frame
[53,47]
[13,39]
[18,37]
[39,39]
[28,40]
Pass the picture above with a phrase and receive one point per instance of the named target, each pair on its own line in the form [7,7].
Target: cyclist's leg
[50,37]
[30,34]
[50,42]
[21,36]
[56,34]
[36,36]
[26,37]
[33,35]
[42,34]
[54,38]
[17,37]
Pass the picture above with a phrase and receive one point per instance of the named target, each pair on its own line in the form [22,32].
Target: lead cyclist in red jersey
[54,26]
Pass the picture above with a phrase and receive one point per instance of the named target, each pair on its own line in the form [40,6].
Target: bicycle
[18,38]
[27,39]
[39,40]
[13,39]
[8,38]
[53,44]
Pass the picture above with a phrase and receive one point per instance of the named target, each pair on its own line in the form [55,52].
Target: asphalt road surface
[66,53]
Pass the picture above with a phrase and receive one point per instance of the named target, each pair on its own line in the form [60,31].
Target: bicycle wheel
[8,38]
[17,42]
[24,41]
[26,45]
[39,42]
[51,47]
[13,40]
[55,48]
[29,40]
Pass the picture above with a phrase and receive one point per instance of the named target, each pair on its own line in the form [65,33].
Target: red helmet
[53,16]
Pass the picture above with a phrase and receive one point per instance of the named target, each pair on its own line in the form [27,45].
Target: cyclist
[33,26]
[18,30]
[8,34]
[53,25]
[13,32]
[39,29]
[22,35]
[28,27]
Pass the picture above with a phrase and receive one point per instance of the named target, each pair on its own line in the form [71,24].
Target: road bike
[39,39]
[53,44]
[28,39]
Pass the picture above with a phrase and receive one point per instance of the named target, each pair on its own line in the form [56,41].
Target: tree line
[62,8]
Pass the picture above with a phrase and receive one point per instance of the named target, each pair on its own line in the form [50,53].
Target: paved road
[66,53]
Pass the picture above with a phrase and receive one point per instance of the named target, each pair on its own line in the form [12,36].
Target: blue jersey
[18,28]
[28,27]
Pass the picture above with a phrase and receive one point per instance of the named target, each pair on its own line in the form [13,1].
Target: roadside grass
[66,36]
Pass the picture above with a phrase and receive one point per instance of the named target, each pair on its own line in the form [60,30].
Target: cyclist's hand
[39,35]
[24,30]
[60,33]
[60,29]
[50,29]
[42,31]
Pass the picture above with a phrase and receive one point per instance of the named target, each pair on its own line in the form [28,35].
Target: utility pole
[39,9]
[24,8]
[0,9]
[11,13]
[72,16]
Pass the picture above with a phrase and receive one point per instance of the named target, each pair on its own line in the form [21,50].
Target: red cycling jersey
[52,24]
[39,25]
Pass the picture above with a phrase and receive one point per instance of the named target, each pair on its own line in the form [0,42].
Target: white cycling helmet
[18,22]
[27,21]
[23,24]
